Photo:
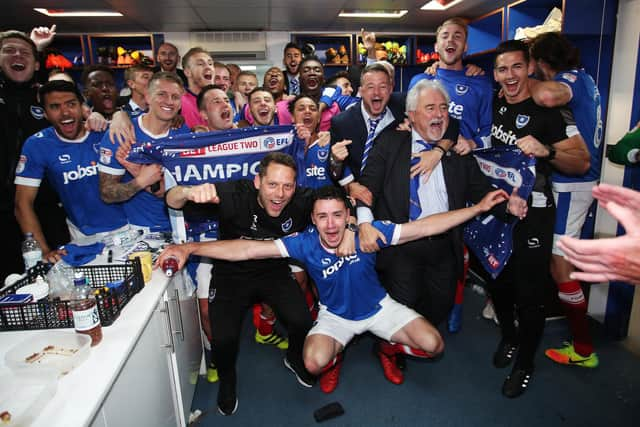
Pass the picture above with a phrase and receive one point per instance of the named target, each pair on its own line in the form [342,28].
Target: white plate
[25,398]
[58,352]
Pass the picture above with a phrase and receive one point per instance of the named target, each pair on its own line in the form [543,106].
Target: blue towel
[79,255]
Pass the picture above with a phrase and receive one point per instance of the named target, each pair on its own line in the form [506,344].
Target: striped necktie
[295,87]
[414,183]
[373,124]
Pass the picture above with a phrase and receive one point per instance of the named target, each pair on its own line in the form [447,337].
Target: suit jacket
[286,81]
[387,177]
[351,125]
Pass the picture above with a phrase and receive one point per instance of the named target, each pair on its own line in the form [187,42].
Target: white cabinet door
[143,393]
[185,327]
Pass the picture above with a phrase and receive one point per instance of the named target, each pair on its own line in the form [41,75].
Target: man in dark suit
[167,59]
[423,273]
[354,131]
[291,59]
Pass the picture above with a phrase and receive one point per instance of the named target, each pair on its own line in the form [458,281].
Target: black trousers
[519,290]
[421,275]
[234,296]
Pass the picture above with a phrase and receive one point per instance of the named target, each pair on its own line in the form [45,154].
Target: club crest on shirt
[105,156]
[22,162]
[569,77]
[461,89]
[522,120]
[37,112]
[286,226]
[323,154]
[254,223]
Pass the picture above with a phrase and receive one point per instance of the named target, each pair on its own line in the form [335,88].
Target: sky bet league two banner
[196,158]
[490,239]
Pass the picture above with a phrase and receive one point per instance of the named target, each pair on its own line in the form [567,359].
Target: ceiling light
[372,14]
[439,4]
[59,13]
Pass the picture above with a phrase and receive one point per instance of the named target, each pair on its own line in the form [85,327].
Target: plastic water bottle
[170,266]
[126,238]
[31,251]
[84,307]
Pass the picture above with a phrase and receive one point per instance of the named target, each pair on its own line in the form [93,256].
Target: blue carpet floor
[460,389]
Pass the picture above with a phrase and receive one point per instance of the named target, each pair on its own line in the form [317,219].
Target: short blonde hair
[457,21]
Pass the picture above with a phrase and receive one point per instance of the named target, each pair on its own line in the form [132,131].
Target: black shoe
[517,382]
[302,375]
[227,400]
[401,361]
[504,354]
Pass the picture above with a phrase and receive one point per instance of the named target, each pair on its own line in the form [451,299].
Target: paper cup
[145,262]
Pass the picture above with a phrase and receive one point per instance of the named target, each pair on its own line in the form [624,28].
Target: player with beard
[168,59]
[260,109]
[122,181]
[551,136]
[100,89]
[75,180]
[565,83]
[291,59]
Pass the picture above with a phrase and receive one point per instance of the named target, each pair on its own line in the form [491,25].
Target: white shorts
[203,277]
[392,317]
[572,208]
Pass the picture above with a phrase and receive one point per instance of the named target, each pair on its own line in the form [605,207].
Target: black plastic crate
[46,314]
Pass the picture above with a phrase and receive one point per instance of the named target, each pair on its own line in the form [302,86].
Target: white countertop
[81,392]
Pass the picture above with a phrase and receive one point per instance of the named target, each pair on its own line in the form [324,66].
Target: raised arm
[550,93]
[179,195]
[439,223]
[229,250]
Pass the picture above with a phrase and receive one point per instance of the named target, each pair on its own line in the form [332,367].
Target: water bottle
[124,238]
[31,251]
[84,308]
[170,266]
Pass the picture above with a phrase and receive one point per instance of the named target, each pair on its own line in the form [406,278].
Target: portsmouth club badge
[286,226]
[37,112]
[105,156]
[461,89]
[521,121]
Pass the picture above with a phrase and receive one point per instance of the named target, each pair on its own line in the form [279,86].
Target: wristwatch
[351,227]
[552,153]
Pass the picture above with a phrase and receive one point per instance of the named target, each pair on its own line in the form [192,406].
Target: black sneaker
[227,400]
[304,378]
[517,382]
[504,354]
